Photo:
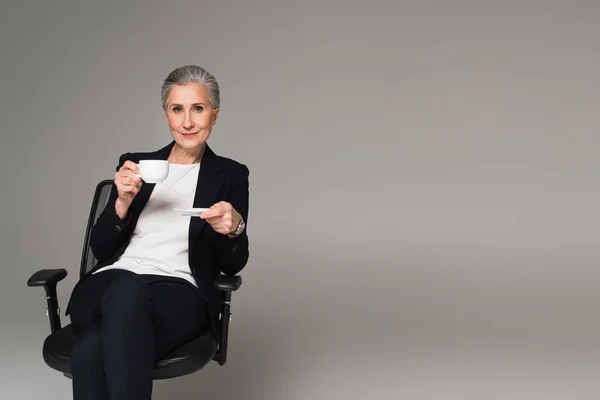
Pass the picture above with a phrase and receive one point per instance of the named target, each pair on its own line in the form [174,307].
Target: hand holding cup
[128,183]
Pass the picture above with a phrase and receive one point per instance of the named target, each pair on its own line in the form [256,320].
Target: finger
[130,189]
[227,218]
[130,165]
[224,205]
[126,182]
[214,221]
[128,177]
[213,212]
[137,181]
[130,186]
[222,226]
[220,209]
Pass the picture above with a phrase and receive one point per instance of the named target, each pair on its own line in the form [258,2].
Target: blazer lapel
[210,182]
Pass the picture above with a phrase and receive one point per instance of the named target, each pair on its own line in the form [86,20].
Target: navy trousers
[124,323]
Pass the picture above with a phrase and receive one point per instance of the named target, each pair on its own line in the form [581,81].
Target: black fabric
[124,323]
[210,253]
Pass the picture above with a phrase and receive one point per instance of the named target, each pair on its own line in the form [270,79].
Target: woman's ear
[215,115]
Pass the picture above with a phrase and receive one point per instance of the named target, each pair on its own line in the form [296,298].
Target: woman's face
[190,115]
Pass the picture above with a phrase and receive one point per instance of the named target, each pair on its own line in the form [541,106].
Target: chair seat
[184,360]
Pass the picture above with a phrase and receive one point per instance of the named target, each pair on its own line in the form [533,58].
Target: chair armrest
[47,277]
[228,283]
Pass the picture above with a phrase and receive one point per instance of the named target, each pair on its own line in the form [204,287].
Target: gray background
[424,186]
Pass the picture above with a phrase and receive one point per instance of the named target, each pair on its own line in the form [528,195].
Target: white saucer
[190,212]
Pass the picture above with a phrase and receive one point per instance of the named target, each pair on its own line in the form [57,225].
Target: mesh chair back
[98,204]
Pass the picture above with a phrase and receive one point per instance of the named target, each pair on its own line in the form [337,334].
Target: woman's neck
[180,155]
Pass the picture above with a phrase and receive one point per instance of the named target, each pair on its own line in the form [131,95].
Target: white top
[159,245]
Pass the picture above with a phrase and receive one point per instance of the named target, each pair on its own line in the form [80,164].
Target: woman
[151,290]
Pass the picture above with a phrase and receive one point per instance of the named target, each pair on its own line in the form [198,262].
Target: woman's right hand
[128,185]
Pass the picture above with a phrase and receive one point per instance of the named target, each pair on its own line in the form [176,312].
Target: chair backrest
[101,196]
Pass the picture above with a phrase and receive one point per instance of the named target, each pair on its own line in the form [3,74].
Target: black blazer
[210,253]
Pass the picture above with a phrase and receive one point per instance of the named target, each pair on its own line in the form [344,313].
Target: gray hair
[191,74]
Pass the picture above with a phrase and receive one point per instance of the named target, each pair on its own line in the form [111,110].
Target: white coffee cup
[153,171]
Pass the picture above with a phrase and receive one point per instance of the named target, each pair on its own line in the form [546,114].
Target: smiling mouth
[188,134]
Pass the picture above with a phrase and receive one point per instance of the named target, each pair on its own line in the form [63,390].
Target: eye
[177,109]
[197,108]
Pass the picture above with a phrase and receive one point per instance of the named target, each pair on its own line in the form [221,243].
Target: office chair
[184,360]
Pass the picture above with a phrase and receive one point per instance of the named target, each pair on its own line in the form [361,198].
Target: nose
[188,122]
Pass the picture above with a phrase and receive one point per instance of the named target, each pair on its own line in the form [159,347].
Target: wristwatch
[240,228]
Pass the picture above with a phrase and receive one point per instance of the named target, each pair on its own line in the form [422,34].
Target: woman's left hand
[222,217]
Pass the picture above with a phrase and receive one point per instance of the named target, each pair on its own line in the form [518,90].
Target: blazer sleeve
[110,231]
[233,253]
